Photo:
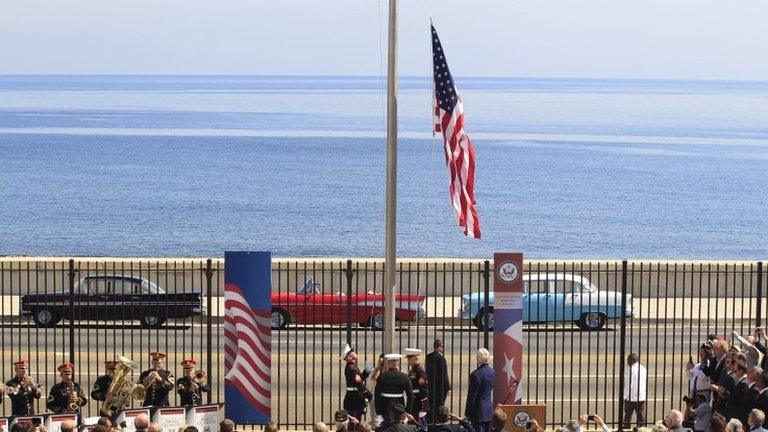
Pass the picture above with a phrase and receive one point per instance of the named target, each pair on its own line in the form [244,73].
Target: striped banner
[247,336]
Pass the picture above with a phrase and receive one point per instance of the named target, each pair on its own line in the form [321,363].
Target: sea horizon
[192,165]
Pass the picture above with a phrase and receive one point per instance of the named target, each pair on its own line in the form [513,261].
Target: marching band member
[192,384]
[418,376]
[102,383]
[66,397]
[22,390]
[157,381]
[357,396]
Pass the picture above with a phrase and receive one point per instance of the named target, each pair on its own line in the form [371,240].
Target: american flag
[459,151]
[247,346]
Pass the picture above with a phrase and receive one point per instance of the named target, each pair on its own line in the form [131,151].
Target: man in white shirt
[635,388]
[698,381]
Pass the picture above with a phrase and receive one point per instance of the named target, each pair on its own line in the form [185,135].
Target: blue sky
[685,39]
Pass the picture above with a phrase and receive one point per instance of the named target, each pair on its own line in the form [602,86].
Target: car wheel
[152,321]
[279,319]
[591,321]
[479,319]
[376,321]
[46,318]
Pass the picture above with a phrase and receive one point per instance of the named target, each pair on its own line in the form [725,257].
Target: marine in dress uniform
[189,387]
[357,396]
[392,387]
[419,403]
[22,390]
[101,386]
[66,397]
[157,381]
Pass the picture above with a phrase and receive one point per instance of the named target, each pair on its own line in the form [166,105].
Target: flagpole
[390,261]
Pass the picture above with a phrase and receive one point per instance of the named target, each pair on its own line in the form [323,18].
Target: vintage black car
[112,297]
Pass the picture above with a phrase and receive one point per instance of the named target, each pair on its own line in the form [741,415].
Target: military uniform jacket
[189,396]
[390,384]
[100,388]
[58,398]
[22,403]
[357,396]
[420,399]
[157,392]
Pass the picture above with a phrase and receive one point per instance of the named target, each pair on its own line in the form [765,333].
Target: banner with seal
[508,327]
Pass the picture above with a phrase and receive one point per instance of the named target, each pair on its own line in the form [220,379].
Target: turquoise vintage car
[554,297]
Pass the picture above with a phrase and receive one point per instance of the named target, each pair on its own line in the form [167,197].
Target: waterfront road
[569,370]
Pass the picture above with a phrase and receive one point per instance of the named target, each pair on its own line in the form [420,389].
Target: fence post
[623,342]
[486,294]
[72,311]
[759,312]
[209,326]
[348,272]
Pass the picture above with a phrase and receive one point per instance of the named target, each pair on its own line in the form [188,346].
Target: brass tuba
[201,378]
[122,389]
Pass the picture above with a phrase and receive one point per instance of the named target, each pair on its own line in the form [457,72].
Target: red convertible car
[309,305]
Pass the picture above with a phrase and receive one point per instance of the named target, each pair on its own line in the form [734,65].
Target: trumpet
[151,378]
[11,390]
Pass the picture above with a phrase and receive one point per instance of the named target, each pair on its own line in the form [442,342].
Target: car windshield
[148,287]
[309,286]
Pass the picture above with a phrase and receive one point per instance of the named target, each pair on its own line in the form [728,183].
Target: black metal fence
[567,366]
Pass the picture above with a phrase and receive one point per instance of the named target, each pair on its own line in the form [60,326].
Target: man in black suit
[716,367]
[437,377]
[761,399]
[725,386]
[753,377]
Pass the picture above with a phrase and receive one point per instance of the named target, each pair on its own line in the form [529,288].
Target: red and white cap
[66,367]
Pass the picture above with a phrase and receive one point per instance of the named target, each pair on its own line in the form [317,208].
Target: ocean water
[194,166]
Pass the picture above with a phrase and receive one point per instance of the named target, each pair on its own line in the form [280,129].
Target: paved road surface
[571,371]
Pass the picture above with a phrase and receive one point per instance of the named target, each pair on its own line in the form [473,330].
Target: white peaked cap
[347,349]
[392,356]
[412,352]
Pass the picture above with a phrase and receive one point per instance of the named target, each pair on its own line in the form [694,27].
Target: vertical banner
[247,336]
[170,419]
[508,328]
[205,418]
[128,416]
